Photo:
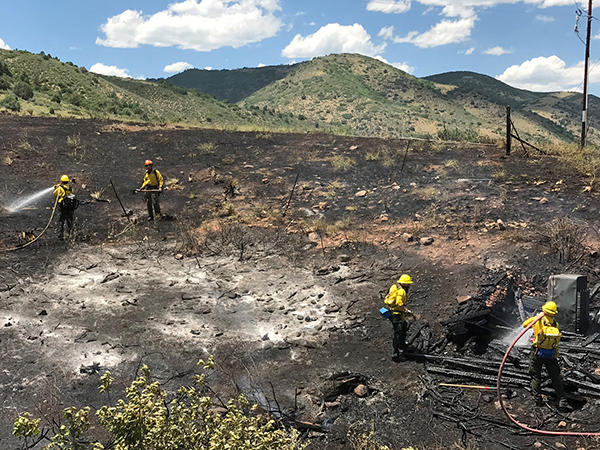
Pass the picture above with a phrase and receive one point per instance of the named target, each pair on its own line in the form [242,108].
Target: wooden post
[508,130]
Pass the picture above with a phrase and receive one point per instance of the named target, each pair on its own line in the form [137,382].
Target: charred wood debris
[476,337]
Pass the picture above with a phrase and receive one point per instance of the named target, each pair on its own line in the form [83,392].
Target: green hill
[38,84]
[231,85]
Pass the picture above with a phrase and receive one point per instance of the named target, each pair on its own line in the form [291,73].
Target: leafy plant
[146,419]
[23,90]
[10,101]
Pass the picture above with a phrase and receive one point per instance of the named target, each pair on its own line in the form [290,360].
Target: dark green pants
[535,371]
[65,215]
[400,326]
[153,203]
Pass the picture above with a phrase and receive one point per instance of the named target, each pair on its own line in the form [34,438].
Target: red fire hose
[512,419]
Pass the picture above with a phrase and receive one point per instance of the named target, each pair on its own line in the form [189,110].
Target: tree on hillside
[10,101]
[23,90]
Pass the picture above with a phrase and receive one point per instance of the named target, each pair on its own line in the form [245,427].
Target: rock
[361,390]
[195,332]
[562,424]
[426,240]
[383,218]
[265,337]
[594,254]
[353,147]
[43,312]
[480,199]
[179,256]
[500,224]
[219,410]
[335,308]
[344,258]
[362,193]
[543,200]
[408,237]
[332,404]
[538,444]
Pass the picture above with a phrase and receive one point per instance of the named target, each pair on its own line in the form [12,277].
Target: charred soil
[282,282]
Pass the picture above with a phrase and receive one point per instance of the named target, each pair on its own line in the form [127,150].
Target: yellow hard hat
[64,179]
[405,279]
[550,308]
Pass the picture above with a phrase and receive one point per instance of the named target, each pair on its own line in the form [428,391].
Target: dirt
[280,294]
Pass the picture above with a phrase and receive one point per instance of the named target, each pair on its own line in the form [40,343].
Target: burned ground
[280,294]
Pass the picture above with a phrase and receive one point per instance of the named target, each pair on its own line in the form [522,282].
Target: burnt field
[282,281]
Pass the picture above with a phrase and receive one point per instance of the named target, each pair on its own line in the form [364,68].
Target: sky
[530,44]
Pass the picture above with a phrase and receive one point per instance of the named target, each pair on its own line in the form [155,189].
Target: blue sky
[526,43]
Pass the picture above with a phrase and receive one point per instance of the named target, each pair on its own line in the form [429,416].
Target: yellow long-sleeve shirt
[540,339]
[153,179]
[396,299]
[61,191]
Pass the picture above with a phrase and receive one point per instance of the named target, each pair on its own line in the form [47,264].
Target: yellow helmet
[64,179]
[550,308]
[405,279]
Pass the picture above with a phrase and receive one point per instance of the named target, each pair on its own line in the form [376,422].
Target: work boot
[563,405]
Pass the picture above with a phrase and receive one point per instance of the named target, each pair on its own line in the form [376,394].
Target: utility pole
[585,76]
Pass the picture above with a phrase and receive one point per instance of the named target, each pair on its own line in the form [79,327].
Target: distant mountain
[231,85]
[39,84]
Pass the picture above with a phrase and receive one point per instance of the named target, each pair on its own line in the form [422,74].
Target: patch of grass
[341,163]
[585,160]
[207,147]
[452,164]
[426,193]
[498,175]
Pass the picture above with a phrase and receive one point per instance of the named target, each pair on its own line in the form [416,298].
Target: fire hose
[19,247]
[501,401]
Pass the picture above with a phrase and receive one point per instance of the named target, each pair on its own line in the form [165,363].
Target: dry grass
[207,147]
[586,161]
[341,163]
[427,193]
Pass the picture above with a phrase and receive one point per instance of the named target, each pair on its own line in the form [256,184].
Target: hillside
[45,86]
[231,85]
[354,94]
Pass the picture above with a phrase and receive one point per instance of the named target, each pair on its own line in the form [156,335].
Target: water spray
[21,203]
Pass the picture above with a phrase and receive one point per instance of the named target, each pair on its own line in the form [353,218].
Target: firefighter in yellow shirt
[395,301]
[544,352]
[153,181]
[67,204]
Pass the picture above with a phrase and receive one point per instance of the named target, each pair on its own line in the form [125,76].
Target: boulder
[426,240]
[408,237]
[361,390]
[362,193]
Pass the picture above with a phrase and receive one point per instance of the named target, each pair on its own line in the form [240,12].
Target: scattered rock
[426,240]
[332,404]
[344,258]
[538,444]
[408,237]
[111,276]
[195,332]
[335,308]
[562,424]
[543,200]
[362,193]
[500,224]
[353,147]
[361,390]
[179,256]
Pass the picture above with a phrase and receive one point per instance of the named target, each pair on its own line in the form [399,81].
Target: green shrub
[4,83]
[145,419]
[4,70]
[56,97]
[23,90]
[10,101]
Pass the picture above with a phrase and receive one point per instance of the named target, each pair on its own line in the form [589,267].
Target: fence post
[508,137]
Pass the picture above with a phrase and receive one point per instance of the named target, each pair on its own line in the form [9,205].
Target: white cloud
[442,33]
[548,74]
[4,45]
[386,32]
[544,19]
[333,38]
[389,6]
[114,71]
[208,68]
[261,65]
[200,25]
[177,67]
[398,65]
[497,51]
[469,51]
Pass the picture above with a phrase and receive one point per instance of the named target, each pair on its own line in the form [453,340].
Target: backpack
[548,340]
[70,202]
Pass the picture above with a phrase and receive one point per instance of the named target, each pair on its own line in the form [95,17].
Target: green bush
[10,101]
[4,70]
[4,82]
[23,90]
[56,97]
[145,419]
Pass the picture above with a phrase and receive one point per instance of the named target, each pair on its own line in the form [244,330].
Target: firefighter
[544,352]
[153,181]
[395,301]
[67,204]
